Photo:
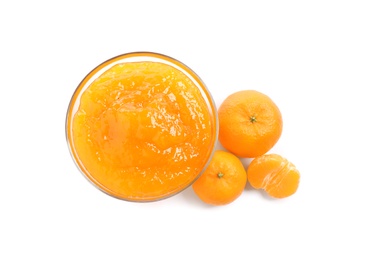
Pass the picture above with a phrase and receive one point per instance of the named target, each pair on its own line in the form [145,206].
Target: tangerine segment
[275,174]
[142,130]
[250,123]
[223,181]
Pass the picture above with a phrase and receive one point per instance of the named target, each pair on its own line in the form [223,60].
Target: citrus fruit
[223,181]
[250,123]
[275,174]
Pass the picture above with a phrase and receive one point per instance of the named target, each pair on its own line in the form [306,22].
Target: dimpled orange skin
[250,123]
[142,131]
[275,174]
[223,181]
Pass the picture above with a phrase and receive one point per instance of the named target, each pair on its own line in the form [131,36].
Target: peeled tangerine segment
[275,174]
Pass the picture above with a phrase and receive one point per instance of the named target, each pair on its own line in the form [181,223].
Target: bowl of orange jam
[142,126]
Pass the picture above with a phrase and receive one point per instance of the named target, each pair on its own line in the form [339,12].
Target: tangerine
[275,174]
[250,123]
[223,181]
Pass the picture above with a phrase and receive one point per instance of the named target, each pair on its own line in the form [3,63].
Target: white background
[310,57]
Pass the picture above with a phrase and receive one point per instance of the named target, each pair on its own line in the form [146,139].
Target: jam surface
[142,130]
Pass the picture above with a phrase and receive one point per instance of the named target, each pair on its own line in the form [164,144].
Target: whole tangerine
[223,181]
[250,123]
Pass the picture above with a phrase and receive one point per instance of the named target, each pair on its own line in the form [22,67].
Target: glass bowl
[141,126]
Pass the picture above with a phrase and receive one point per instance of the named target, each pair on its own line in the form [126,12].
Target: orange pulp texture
[143,131]
[223,181]
[250,123]
[275,174]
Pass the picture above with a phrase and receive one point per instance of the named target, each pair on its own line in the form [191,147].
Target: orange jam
[142,126]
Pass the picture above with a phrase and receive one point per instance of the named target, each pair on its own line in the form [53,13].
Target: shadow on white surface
[191,198]
[249,190]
